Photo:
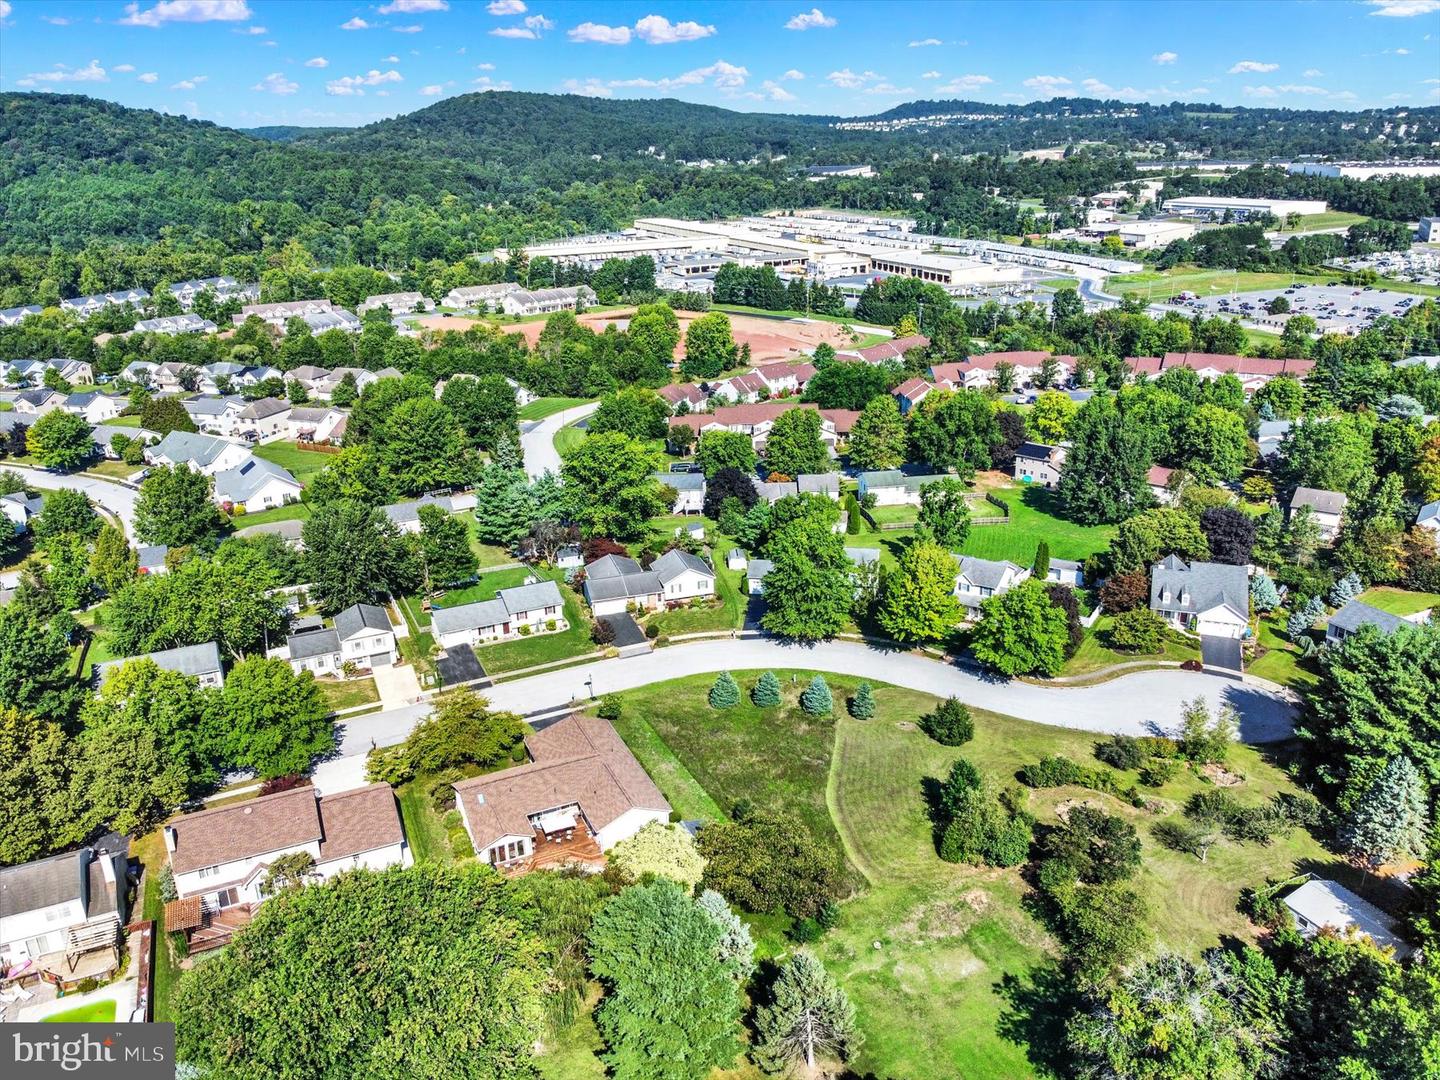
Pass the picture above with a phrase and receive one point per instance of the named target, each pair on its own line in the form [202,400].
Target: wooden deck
[217,929]
[582,849]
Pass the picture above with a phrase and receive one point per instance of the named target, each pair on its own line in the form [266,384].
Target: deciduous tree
[1021,632]
[175,507]
[276,720]
[917,600]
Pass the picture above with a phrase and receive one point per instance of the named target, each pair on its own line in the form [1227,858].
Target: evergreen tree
[1302,618]
[724,692]
[1346,589]
[862,705]
[1264,596]
[950,724]
[766,694]
[1042,561]
[737,948]
[1388,821]
[810,1017]
[816,700]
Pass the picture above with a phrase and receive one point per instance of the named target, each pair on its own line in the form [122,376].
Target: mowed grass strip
[540,408]
[1034,516]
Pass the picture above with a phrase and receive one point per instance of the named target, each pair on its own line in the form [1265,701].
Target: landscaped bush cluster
[1059,771]
[1264,907]
[950,724]
[978,827]
[769,862]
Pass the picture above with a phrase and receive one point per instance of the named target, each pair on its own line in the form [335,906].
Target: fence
[1001,518]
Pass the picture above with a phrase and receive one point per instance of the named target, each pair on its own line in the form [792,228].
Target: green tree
[113,563]
[60,440]
[808,593]
[484,407]
[917,601]
[163,415]
[737,947]
[709,347]
[1051,415]
[615,490]
[423,448]
[765,863]
[810,1019]
[35,763]
[184,719]
[794,445]
[504,506]
[862,705]
[463,731]
[766,694]
[877,439]
[816,698]
[175,507]
[1139,630]
[124,780]
[1213,444]
[353,554]
[66,513]
[457,938]
[277,720]
[1264,596]
[1389,819]
[671,1010]
[665,851]
[633,411]
[1335,454]
[724,692]
[1104,479]
[445,547]
[199,601]
[945,511]
[725,450]
[1152,534]
[35,662]
[949,724]
[953,430]
[346,392]
[1099,848]
[1021,632]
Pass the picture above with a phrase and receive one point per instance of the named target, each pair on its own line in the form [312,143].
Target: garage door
[380,660]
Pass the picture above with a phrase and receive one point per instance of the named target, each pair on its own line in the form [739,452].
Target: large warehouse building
[1239,209]
[1365,170]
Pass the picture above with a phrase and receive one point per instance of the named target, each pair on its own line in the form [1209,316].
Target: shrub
[1202,739]
[1264,906]
[806,930]
[525,630]
[1157,772]
[451,819]
[1125,592]
[817,700]
[862,705]
[550,624]
[766,694]
[1121,751]
[950,724]
[284,783]
[1053,771]
[87,986]
[601,632]
[1138,630]
[168,891]
[828,915]
[1100,848]
[724,692]
[1186,836]
[611,708]
[460,844]
[653,632]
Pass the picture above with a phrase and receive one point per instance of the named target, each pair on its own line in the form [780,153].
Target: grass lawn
[1034,516]
[486,588]
[941,961]
[540,408]
[488,554]
[1061,283]
[567,438]
[97,1012]
[166,972]
[841,320]
[543,648]
[296,511]
[302,464]
[1282,662]
[112,470]
[1331,219]
[1161,285]
[124,421]
[1095,654]
[348,693]
[423,828]
[904,514]
[729,613]
[1400,602]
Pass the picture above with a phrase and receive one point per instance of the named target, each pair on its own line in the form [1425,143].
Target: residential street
[538,442]
[116,498]
[1136,704]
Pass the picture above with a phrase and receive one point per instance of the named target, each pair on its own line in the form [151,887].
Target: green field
[298,511]
[1400,602]
[301,464]
[1281,661]
[1161,285]
[1332,219]
[488,554]
[1034,516]
[486,588]
[96,1012]
[944,965]
[348,693]
[540,408]
[860,328]
[567,438]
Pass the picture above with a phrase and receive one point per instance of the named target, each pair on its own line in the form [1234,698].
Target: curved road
[116,498]
[1138,704]
[537,442]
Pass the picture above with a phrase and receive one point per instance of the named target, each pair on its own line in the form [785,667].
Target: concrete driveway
[116,498]
[538,443]
[1139,704]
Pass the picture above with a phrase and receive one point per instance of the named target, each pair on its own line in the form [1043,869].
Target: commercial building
[1216,206]
[1364,170]
[1141,235]
[835,172]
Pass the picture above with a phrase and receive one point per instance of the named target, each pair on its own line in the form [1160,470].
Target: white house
[57,907]
[216,415]
[614,582]
[537,607]
[1066,572]
[581,793]
[689,491]
[406,515]
[256,484]
[1429,517]
[755,572]
[473,295]
[315,424]
[222,855]
[265,419]
[1326,507]
[224,287]
[891,487]
[361,635]
[735,559]
[20,508]
[1209,599]
[980,579]
[206,454]
[94,407]
[1320,904]
[188,323]
[397,303]
[199,662]
[546,301]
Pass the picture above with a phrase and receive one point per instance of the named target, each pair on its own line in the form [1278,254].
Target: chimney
[169,839]
[107,868]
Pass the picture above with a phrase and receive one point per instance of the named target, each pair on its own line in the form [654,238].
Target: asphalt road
[537,444]
[116,498]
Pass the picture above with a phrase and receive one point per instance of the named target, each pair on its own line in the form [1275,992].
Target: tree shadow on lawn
[1038,1006]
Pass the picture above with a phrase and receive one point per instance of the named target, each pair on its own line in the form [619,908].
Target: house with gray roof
[683,576]
[151,559]
[289,531]
[979,579]
[38,402]
[104,436]
[207,454]
[1327,508]
[406,515]
[755,573]
[361,635]
[55,909]
[891,487]
[1429,517]
[1320,904]
[15,315]
[533,608]
[265,419]
[21,509]
[1270,435]
[1205,598]
[1356,614]
[616,582]
[188,323]
[1066,572]
[200,662]
[93,406]
[689,491]
[255,485]
[215,414]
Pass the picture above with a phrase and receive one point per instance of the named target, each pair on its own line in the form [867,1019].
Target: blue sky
[248,62]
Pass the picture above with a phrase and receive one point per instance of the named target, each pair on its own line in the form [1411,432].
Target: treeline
[761,287]
[1245,247]
[1393,198]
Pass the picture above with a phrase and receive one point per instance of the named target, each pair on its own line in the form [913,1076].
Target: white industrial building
[1238,208]
[1364,170]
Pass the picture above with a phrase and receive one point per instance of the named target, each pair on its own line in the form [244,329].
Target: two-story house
[615,582]
[1209,599]
[1326,507]
[1037,463]
[980,579]
[63,906]
[361,635]
[689,491]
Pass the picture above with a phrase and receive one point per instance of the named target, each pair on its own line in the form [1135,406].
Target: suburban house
[523,395]
[323,385]
[739,389]
[104,435]
[536,606]
[1037,463]
[689,491]
[1066,572]
[980,579]
[206,454]
[405,516]
[581,793]
[978,372]
[894,349]
[1157,479]
[55,910]
[473,295]
[199,662]
[319,315]
[289,531]
[892,487]
[806,483]
[188,323]
[94,407]
[756,420]
[32,372]
[256,484]
[1429,517]
[88,305]
[1320,904]
[546,301]
[312,424]
[38,402]
[1209,599]
[1269,436]
[20,508]
[1326,507]
[151,559]
[755,572]
[1357,614]
[265,419]
[691,394]
[224,287]
[910,393]
[219,857]
[361,635]
[614,582]
[216,415]
[14,316]
[1252,371]
[785,378]
[397,303]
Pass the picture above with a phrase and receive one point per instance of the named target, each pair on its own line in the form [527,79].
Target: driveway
[538,443]
[1139,704]
[116,498]
[1220,652]
[396,684]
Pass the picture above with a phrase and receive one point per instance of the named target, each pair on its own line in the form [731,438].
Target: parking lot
[1336,309]
[1421,264]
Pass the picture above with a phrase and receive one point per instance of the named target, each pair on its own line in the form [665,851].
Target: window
[207,872]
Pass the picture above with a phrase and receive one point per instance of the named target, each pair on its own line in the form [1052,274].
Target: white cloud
[506,7]
[930,75]
[276,83]
[519,32]
[484,67]
[5,9]
[964,83]
[539,22]
[1165,57]
[431,91]
[413,28]
[190,11]
[810,20]
[1402,52]
[889,88]
[148,77]
[1261,91]
[356,23]
[1292,88]
[317,62]
[776,91]
[354,85]
[1313,73]
[725,76]
[658,30]
[251,31]
[1048,84]
[793,73]
[600,34]
[926,43]
[484,83]
[123,69]
[853,80]
[1343,95]
[588,88]
[1404,9]
[413,7]
[91,72]
[53,20]
[1245,66]
[391,59]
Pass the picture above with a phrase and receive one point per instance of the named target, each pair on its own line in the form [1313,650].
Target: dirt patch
[1221,776]
[943,918]
[1064,806]
[907,725]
